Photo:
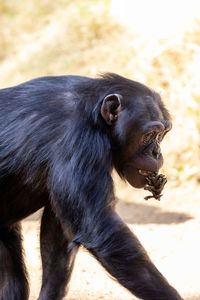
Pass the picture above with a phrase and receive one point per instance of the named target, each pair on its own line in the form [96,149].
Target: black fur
[57,152]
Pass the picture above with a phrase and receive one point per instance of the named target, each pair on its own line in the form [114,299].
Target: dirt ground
[169,230]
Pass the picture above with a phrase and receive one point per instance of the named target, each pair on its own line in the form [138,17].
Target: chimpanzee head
[138,122]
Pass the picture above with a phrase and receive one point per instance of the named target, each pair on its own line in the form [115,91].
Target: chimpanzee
[60,138]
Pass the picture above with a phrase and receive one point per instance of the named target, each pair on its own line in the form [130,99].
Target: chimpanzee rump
[60,138]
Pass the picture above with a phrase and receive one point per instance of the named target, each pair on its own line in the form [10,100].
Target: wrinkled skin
[140,148]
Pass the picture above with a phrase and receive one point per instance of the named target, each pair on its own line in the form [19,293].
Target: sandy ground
[169,230]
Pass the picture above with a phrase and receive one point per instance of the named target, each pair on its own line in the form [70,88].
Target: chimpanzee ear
[111,106]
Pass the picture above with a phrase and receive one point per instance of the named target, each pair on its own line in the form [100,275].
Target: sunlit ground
[157,19]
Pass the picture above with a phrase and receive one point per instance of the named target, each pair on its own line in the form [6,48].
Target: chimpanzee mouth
[144,172]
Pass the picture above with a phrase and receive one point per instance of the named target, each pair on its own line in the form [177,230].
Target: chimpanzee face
[138,126]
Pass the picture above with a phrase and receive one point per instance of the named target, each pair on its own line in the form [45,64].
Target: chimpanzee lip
[144,172]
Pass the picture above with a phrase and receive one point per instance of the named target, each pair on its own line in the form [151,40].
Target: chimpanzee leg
[119,251]
[13,281]
[58,256]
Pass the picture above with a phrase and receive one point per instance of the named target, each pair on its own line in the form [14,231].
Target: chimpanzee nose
[156,152]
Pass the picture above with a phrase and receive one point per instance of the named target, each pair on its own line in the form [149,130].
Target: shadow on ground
[139,214]
[146,214]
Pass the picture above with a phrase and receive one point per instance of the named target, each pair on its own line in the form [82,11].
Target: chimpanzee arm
[122,255]
[108,238]
[81,191]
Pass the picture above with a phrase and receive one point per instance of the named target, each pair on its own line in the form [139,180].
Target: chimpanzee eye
[148,137]
[160,137]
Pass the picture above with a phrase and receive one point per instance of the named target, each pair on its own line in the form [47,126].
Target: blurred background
[155,42]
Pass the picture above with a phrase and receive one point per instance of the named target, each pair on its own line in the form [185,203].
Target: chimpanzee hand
[155,184]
